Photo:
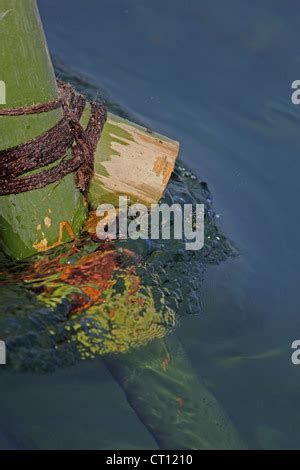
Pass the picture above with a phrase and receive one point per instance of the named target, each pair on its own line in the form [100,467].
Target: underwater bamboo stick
[171,401]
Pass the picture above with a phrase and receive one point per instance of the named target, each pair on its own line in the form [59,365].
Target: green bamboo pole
[130,160]
[31,220]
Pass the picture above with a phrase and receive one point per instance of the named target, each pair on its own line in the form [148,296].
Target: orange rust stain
[43,244]
[79,303]
[92,274]
[93,220]
[112,313]
[91,292]
[93,268]
[91,223]
[163,167]
[166,361]
[167,358]
[140,301]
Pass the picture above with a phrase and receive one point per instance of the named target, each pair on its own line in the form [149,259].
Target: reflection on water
[90,299]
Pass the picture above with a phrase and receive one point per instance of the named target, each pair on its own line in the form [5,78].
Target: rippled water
[216,76]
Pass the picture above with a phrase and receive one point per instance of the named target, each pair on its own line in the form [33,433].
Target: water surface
[216,76]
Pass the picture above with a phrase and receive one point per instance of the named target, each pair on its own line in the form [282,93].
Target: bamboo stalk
[31,219]
[129,159]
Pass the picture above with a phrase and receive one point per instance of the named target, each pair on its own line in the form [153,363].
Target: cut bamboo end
[131,161]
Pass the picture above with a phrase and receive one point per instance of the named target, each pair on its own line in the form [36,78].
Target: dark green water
[216,76]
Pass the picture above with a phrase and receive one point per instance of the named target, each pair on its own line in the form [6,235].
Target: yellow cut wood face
[131,161]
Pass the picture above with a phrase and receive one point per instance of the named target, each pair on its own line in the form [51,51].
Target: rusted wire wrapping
[53,145]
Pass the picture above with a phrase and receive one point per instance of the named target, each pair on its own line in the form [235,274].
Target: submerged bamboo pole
[171,401]
[129,159]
